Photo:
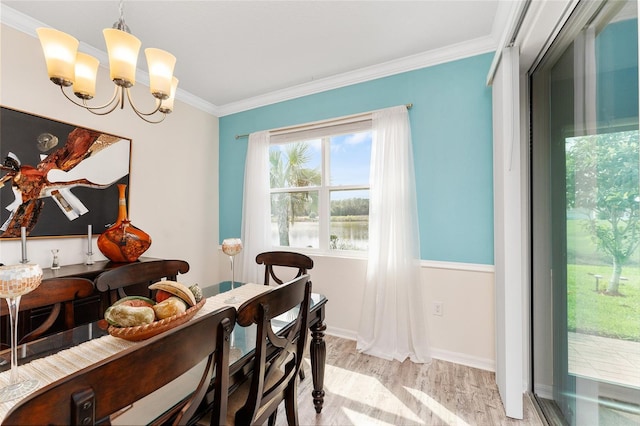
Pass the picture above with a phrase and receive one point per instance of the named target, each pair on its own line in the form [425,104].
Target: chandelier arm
[130,98]
[164,115]
[105,112]
[143,115]
[93,109]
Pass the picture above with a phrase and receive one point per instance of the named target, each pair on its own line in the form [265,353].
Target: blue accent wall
[451,125]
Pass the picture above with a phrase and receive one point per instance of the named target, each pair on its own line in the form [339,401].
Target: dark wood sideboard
[86,310]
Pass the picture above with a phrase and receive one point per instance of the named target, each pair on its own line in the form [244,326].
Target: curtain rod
[290,128]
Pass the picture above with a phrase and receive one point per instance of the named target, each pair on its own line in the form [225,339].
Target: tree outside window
[602,184]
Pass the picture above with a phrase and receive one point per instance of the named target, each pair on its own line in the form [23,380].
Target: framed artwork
[56,177]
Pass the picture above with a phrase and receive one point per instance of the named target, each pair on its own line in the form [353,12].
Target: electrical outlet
[437,308]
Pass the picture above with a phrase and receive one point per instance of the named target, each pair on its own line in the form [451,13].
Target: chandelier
[68,67]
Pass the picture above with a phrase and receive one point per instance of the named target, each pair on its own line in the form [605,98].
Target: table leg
[318,352]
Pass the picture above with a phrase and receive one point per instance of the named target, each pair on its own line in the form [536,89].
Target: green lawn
[592,312]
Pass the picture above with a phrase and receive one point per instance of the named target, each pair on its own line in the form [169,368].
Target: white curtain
[393,323]
[256,208]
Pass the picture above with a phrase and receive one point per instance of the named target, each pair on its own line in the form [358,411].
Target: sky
[350,156]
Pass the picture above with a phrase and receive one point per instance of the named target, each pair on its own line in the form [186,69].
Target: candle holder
[89,259]
[23,243]
[55,264]
[231,247]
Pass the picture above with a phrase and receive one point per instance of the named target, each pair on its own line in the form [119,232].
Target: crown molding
[385,69]
[19,21]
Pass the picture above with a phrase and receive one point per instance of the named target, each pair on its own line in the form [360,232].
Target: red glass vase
[123,242]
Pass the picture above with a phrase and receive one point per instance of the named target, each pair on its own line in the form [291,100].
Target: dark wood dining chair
[287,259]
[278,355]
[59,294]
[283,258]
[90,396]
[135,278]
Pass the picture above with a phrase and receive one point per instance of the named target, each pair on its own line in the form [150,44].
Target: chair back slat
[124,378]
[284,259]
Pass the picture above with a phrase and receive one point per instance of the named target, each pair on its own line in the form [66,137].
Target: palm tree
[290,172]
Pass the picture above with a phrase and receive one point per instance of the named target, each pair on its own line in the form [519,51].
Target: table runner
[68,361]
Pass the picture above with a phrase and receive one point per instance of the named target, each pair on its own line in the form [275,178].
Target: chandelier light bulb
[84,85]
[123,49]
[60,51]
[167,104]
[160,65]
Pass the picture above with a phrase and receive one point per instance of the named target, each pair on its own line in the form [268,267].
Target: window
[319,182]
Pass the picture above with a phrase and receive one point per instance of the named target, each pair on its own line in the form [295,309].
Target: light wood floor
[365,390]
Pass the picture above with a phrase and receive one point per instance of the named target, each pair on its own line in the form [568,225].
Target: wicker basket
[142,332]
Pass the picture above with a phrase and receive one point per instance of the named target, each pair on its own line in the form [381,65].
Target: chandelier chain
[120,24]
[121,7]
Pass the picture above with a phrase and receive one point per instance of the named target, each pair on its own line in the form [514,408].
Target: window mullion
[295,189]
[325,202]
[347,187]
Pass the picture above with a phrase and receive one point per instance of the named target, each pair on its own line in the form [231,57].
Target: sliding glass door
[586,219]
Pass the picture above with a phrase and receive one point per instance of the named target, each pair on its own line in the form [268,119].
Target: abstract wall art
[58,178]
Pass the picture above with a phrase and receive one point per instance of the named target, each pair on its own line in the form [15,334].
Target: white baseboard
[343,333]
[455,357]
[464,359]
[457,266]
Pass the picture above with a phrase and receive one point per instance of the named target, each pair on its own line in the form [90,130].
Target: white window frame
[323,131]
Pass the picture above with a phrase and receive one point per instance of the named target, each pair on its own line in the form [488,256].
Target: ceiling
[234,55]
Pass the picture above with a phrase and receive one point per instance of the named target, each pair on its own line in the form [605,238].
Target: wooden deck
[609,360]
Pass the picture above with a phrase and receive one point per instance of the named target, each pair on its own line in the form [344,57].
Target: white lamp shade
[167,104]
[161,64]
[60,51]
[84,85]
[123,51]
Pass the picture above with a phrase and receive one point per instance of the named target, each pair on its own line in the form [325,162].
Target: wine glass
[231,247]
[16,280]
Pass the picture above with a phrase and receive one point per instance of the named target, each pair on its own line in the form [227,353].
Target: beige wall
[174,165]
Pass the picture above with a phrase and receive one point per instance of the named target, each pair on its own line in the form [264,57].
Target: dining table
[54,356]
